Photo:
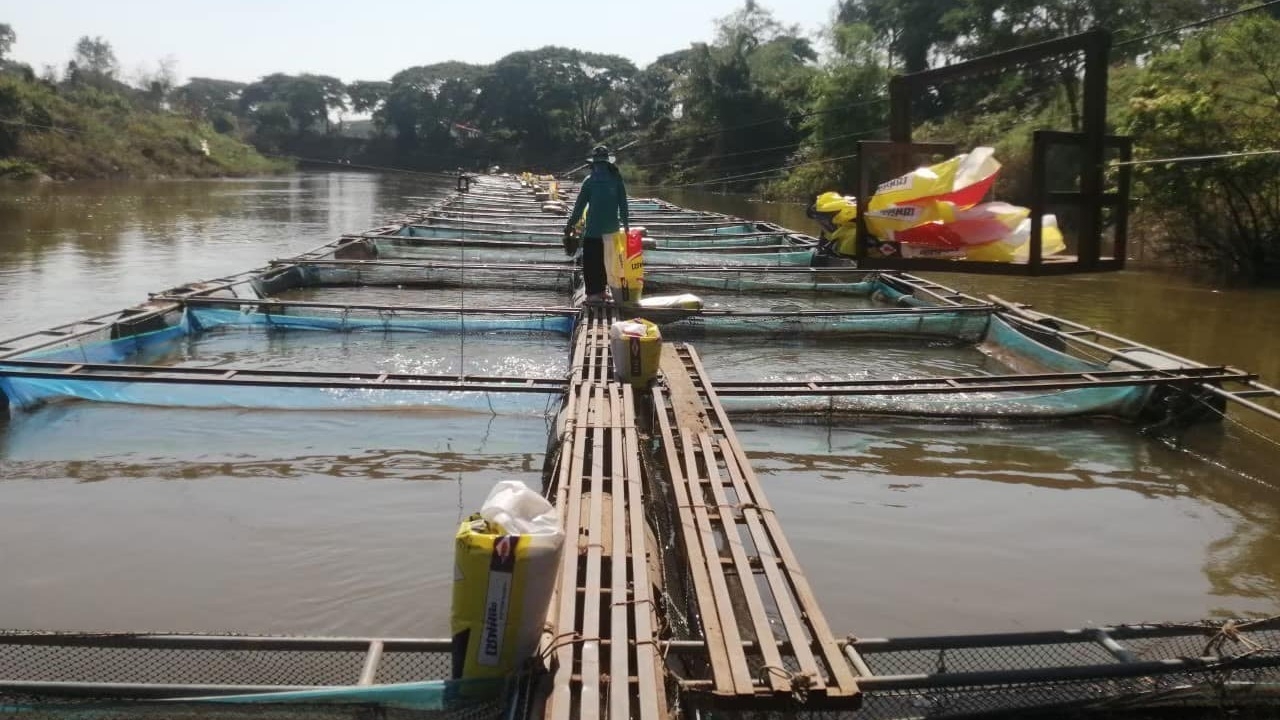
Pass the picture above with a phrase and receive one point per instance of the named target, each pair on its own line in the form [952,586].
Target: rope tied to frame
[801,683]
[1231,631]
[735,507]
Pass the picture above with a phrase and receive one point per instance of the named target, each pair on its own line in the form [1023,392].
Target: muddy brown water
[117,517]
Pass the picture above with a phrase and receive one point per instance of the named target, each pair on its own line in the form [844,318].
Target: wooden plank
[824,640]
[759,620]
[769,562]
[589,705]
[683,394]
[560,702]
[649,665]
[699,571]
[620,605]
[721,602]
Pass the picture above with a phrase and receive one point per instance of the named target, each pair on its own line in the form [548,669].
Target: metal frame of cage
[1091,197]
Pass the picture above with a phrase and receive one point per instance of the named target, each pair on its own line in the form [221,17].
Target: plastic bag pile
[936,212]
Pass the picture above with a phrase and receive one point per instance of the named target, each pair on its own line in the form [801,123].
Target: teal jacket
[605,197]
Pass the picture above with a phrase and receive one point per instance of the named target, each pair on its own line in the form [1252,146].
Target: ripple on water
[919,527]
[277,522]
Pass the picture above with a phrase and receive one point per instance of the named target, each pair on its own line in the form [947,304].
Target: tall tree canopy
[95,56]
[7,38]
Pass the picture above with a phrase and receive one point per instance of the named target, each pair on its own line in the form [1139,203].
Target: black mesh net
[111,676]
[1245,684]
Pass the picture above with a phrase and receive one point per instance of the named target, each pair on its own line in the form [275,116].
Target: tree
[546,105]
[422,104]
[850,101]
[741,99]
[912,31]
[307,100]
[1219,92]
[157,84]
[334,93]
[368,96]
[7,38]
[657,86]
[208,98]
[95,56]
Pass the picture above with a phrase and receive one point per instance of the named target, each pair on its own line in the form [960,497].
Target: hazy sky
[365,39]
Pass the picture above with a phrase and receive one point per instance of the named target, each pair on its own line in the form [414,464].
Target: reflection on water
[991,527]
[842,359]
[508,354]
[329,523]
[68,250]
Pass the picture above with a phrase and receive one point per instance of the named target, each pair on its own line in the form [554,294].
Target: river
[126,518]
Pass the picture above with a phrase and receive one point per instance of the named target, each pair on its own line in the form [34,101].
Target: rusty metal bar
[477,244]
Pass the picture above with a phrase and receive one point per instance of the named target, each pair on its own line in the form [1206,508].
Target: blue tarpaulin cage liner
[26,392]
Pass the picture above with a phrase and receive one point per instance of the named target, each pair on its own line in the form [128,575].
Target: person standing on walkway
[604,197]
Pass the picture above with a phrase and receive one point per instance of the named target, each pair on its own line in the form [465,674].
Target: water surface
[338,521]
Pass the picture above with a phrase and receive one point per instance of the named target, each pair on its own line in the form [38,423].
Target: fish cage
[680,593]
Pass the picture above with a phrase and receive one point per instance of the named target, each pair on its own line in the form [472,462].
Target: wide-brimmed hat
[601,153]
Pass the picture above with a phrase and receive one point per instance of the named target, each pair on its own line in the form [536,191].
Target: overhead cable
[1198,23]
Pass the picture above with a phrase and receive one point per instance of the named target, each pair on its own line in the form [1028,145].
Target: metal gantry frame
[1093,141]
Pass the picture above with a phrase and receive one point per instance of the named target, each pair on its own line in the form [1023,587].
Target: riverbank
[64,133]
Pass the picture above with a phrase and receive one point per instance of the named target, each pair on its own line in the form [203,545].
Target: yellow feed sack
[928,194]
[637,349]
[624,265]
[502,587]
[1017,245]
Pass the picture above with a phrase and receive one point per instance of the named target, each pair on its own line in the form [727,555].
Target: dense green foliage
[1217,92]
[91,125]
[761,107]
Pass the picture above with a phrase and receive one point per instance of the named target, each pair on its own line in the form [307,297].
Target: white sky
[365,39]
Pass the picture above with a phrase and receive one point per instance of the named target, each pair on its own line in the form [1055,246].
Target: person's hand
[570,242]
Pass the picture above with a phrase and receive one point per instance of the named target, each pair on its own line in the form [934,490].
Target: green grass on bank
[66,132]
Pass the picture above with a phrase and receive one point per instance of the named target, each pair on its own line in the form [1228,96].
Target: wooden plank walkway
[768,643]
[602,622]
